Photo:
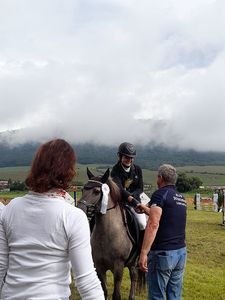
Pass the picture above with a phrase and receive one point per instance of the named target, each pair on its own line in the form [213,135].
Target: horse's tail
[141,281]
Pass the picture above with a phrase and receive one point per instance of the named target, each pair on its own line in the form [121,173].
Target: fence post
[197,201]
[215,202]
[75,195]
[223,209]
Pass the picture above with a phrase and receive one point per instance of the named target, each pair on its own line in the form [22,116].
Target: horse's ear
[105,176]
[89,174]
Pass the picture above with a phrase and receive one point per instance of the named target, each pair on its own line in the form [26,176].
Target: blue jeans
[165,274]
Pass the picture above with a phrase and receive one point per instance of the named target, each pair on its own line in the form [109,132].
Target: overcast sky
[110,71]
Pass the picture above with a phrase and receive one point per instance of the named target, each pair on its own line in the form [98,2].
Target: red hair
[53,166]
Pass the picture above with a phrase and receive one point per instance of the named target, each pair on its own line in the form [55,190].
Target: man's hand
[143,262]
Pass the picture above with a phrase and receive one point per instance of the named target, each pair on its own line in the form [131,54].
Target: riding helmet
[127,149]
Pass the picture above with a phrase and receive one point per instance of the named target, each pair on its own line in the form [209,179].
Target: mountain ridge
[149,157]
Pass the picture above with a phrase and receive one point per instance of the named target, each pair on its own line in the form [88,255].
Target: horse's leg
[118,276]
[102,277]
[133,281]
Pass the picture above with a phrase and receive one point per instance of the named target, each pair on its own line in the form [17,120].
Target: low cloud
[107,72]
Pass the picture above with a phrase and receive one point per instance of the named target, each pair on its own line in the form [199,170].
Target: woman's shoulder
[15,201]
[75,211]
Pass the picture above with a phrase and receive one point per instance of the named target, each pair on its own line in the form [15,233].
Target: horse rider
[128,177]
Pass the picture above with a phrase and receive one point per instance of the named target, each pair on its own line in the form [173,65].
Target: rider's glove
[134,202]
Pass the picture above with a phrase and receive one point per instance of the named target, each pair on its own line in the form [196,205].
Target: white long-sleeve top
[39,237]
[1,206]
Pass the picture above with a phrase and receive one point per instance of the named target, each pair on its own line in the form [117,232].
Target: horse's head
[102,179]
[96,193]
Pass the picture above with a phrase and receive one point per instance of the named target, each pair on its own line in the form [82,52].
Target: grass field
[15,173]
[20,173]
[210,175]
[205,271]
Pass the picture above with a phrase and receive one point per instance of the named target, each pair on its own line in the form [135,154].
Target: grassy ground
[210,175]
[205,271]
[15,173]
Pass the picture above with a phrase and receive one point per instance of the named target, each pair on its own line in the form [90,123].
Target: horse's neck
[111,203]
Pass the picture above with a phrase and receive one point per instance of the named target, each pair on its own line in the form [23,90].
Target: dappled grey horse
[111,244]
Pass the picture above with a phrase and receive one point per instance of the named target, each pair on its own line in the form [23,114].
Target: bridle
[92,208]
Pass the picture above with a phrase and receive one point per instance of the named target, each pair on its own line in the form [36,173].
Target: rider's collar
[125,168]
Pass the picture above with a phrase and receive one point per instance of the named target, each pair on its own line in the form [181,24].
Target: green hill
[147,156]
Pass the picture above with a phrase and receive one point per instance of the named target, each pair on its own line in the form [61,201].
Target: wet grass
[205,271]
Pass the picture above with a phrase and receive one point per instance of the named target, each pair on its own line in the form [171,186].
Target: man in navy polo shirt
[163,253]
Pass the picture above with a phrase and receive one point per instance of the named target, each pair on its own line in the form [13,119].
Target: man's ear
[161,180]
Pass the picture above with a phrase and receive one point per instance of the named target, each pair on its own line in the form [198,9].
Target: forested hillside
[147,157]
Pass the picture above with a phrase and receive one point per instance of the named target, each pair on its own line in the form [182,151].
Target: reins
[111,207]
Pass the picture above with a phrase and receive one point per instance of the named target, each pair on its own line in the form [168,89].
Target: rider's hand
[139,209]
[133,202]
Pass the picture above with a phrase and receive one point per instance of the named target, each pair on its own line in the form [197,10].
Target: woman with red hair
[41,235]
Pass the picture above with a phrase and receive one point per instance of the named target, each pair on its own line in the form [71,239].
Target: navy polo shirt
[171,231]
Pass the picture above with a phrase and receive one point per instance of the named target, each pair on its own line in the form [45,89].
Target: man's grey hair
[168,173]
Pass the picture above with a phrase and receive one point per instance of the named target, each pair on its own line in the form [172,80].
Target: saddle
[131,224]
[133,231]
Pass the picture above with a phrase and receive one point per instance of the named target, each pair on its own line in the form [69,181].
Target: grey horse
[111,243]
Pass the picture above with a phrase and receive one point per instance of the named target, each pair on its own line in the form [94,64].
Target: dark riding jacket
[130,183]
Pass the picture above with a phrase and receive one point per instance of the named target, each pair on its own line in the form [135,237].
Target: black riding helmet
[126,149]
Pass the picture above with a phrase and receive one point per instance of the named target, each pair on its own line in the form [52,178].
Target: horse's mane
[115,192]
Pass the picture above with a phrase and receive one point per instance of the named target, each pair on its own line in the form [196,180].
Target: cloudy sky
[114,70]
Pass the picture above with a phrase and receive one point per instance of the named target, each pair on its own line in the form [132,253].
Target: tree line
[184,183]
[148,156]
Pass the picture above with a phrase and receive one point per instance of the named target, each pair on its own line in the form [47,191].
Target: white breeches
[141,219]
